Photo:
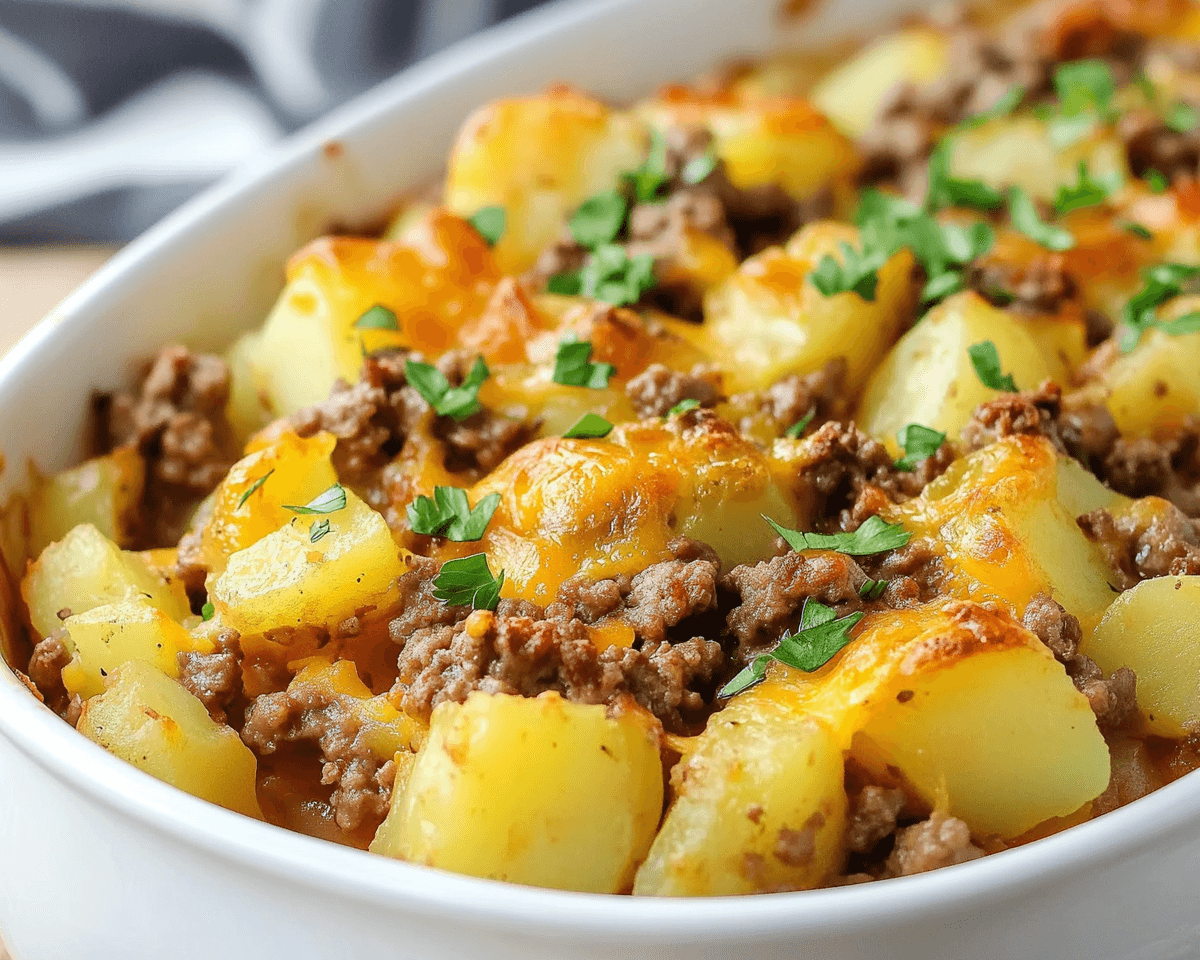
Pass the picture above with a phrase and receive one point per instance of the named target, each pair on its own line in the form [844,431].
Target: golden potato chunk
[105,637]
[104,491]
[760,805]
[296,576]
[537,791]
[768,320]
[1154,629]
[149,720]
[250,502]
[84,570]
[928,377]
[539,158]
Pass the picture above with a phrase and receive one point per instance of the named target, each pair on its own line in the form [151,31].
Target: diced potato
[1008,533]
[1154,629]
[84,570]
[928,377]
[539,157]
[104,491]
[760,776]
[288,580]
[295,470]
[851,96]
[975,713]
[150,721]
[1018,151]
[537,791]
[604,507]
[779,141]
[530,394]
[105,637]
[410,214]
[440,275]
[768,320]
[250,407]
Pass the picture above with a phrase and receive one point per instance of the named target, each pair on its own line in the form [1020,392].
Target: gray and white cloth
[114,111]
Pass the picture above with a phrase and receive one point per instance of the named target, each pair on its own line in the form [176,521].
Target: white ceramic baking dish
[98,860]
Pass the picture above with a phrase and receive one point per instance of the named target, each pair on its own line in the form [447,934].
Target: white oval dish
[99,860]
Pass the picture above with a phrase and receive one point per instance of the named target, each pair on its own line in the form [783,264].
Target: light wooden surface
[32,281]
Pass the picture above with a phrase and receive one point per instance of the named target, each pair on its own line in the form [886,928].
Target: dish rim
[85,768]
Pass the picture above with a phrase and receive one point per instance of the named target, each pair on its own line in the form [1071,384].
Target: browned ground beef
[1167,545]
[657,389]
[215,679]
[874,812]
[49,656]
[940,841]
[176,418]
[1152,145]
[1032,412]
[822,393]
[1038,286]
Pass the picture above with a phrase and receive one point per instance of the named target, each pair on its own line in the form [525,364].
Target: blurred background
[113,112]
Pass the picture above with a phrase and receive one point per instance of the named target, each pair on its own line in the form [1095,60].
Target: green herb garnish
[818,640]
[1136,229]
[330,501]
[448,514]
[796,430]
[1161,283]
[1087,191]
[683,406]
[874,536]
[986,361]
[858,273]
[946,190]
[254,486]
[699,168]
[599,219]
[489,223]
[1085,91]
[610,275]
[468,580]
[1182,118]
[591,426]
[207,612]
[378,317]
[1156,181]
[1000,109]
[573,366]
[919,443]
[447,401]
[650,178]
[1024,217]
[318,529]
[872,589]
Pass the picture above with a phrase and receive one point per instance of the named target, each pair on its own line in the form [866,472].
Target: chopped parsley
[1160,284]
[1156,181]
[919,443]
[1087,191]
[489,223]
[573,366]
[207,612]
[986,361]
[591,426]
[1085,91]
[599,219]
[872,589]
[256,485]
[683,406]
[1023,215]
[318,530]
[447,401]
[610,275]
[1001,108]
[859,273]
[330,501]
[874,536]
[1142,233]
[448,514]
[468,580]
[819,639]
[1182,118]
[946,190]
[378,317]
[796,430]
[699,168]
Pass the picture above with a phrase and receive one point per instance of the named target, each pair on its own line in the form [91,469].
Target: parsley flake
[819,639]
[919,443]
[257,484]
[573,366]
[207,612]
[683,406]
[1085,91]
[599,219]
[1087,191]
[330,501]
[610,275]
[1136,229]
[378,317]
[946,190]
[489,223]
[1161,283]
[1156,181]
[874,536]
[591,426]
[986,361]
[648,180]
[318,530]
[447,401]
[796,430]
[872,589]
[859,273]
[1182,118]
[447,513]
[1024,217]
[699,168]
[468,580]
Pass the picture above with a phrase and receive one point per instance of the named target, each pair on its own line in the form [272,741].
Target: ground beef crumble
[940,841]
[657,389]
[215,678]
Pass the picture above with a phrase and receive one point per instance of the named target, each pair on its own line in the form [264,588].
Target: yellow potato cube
[149,720]
[768,320]
[537,791]
[104,491]
[928,377]
[84,570]
[288,579]
[105,637]
[539,158]
[760,805]
[1154,629]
